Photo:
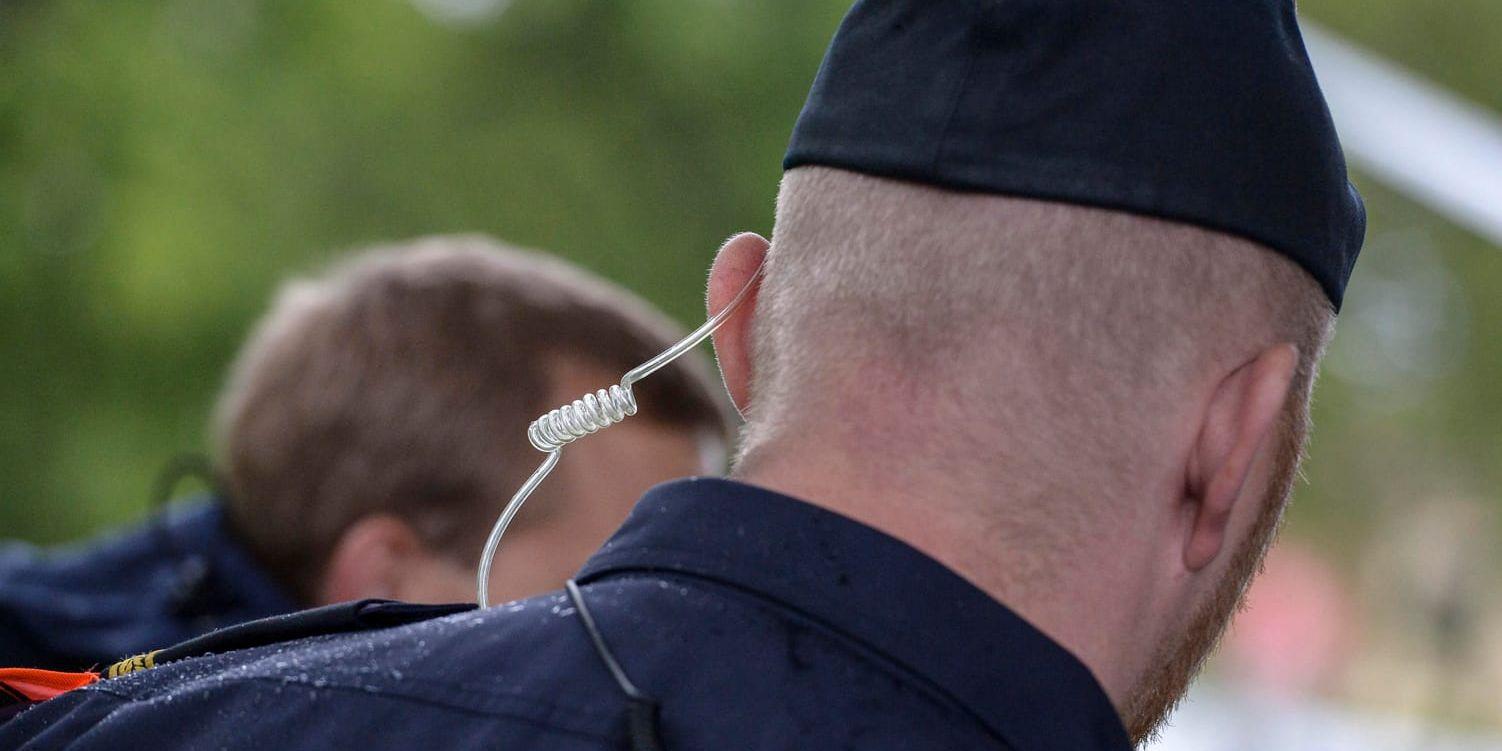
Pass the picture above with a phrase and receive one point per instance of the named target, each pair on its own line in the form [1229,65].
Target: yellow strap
[133,664]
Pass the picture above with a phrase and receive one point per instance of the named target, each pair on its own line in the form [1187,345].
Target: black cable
[187,466]
[196,594]
[641,710]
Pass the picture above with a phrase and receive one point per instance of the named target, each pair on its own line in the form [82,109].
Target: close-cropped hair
[402,381]
[1053,338]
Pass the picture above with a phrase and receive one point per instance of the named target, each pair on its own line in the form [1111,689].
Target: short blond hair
[1052,333]
[402,381]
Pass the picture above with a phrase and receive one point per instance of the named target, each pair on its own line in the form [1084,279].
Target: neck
[1090,607]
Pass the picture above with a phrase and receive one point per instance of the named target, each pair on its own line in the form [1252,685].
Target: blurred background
[163,163]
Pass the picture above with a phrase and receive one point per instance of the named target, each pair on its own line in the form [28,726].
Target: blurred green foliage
[164,163]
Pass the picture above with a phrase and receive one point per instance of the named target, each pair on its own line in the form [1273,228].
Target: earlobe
[1242,415]
[735,266]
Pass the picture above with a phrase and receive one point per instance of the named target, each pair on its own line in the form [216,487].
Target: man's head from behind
[1046,302]
[1096,416]
[375,423]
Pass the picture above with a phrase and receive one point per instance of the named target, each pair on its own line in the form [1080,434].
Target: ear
[1242,414]
[372,559]
[734,267]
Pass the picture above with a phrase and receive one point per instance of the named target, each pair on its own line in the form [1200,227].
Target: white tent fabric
[1214,720]
[1412,135]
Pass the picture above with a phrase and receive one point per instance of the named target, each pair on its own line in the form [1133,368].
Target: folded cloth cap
[1205,112]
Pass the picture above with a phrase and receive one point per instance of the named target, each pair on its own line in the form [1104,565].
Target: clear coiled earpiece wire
[584,416]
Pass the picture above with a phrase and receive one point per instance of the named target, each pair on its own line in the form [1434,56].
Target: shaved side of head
[1039,344]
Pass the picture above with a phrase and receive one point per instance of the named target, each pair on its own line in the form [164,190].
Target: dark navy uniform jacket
[175,577]
[755,620]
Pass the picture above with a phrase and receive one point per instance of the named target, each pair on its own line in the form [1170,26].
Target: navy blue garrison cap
[1205,112]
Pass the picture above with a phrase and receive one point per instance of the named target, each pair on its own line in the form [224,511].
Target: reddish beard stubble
[1178,662]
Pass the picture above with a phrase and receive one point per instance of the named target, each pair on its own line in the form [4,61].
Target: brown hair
[403,381]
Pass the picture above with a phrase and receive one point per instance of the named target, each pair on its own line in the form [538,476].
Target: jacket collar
[1028,690]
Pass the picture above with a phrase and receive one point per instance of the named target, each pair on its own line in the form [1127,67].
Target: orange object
[41,685]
